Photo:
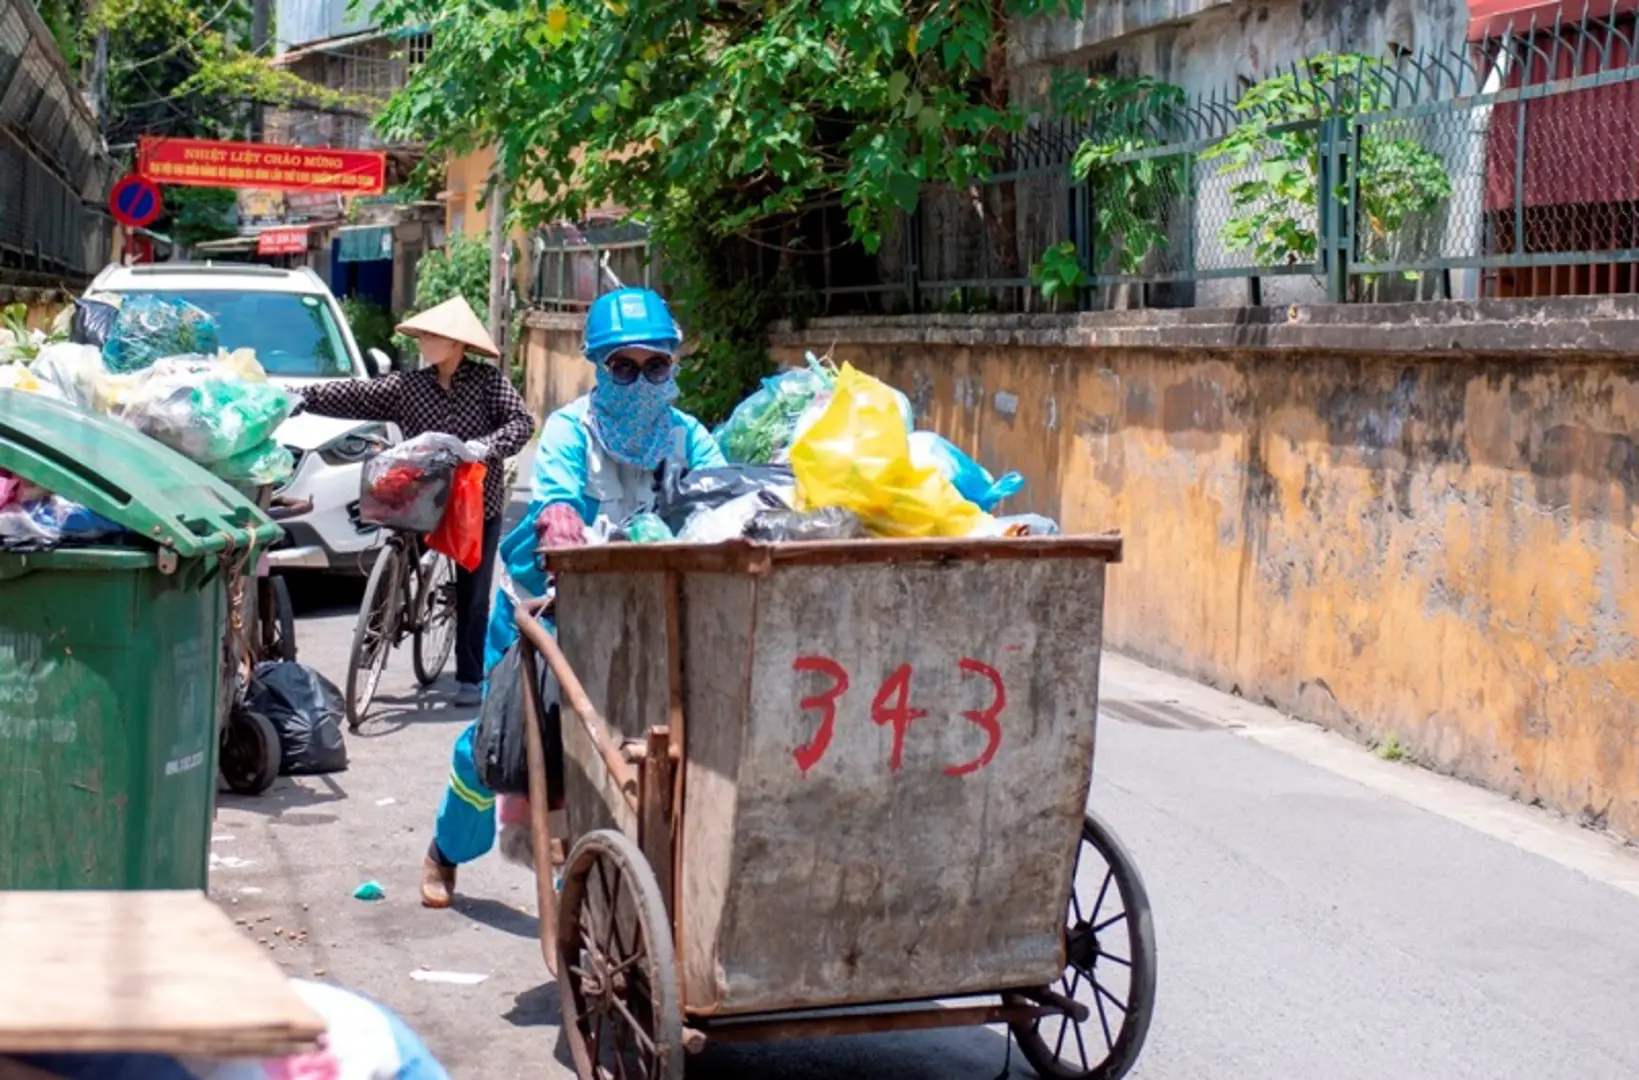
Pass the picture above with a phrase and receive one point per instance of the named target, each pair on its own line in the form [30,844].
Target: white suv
[294,324]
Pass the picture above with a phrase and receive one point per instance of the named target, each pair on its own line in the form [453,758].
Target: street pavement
[1320,912]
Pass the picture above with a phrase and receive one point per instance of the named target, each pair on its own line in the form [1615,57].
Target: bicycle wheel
[375,633]
[278,619]
[434,617]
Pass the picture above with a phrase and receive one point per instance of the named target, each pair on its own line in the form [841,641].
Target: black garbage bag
[500,752]
[308,712]
[680,494]
[92,323]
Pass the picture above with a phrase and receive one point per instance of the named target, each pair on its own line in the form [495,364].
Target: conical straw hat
[453,319]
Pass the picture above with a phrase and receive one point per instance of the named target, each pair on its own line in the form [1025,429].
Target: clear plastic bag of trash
[17,376]
[729,521]
[407,486]
[644,527]
[762,428]
[826,523]
[680,494]
[36,523]
[261,465]
[149,328]
[203,409]
[1017,525]
[74,373]
[931,450]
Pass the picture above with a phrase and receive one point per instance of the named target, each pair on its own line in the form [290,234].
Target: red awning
[1493,18]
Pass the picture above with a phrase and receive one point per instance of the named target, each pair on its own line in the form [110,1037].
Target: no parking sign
[135,202]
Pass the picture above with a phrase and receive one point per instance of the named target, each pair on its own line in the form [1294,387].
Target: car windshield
[293,335]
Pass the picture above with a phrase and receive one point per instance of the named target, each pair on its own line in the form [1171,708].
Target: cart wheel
[278,619]
[434,618]
[617,974]
[1110,943]
[250,752]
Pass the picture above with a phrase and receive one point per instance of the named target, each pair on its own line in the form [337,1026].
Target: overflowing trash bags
[307,711]
[857,456]
[150,328]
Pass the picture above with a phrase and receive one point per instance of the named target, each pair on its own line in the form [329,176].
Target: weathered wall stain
[1443,550]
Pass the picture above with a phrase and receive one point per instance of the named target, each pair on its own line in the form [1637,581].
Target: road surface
[1320,912]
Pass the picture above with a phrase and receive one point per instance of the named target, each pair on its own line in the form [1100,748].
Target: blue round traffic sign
[135,202]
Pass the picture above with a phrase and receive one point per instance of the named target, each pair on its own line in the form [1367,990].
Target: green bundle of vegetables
[763,426]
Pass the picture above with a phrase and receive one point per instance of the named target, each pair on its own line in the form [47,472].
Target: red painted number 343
[891,708]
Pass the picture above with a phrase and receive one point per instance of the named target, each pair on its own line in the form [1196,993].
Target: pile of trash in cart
[155,365]
[821,454]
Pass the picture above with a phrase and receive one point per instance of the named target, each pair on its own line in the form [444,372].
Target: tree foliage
[1278,141]
[177,67]
[704,117]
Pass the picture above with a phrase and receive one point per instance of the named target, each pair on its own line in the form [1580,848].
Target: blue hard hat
[629,317]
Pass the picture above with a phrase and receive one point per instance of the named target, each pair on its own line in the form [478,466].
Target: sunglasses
[625,369]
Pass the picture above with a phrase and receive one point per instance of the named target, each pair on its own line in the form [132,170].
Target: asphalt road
[1320,912]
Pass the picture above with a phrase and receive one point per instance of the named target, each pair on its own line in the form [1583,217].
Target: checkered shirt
[480,404]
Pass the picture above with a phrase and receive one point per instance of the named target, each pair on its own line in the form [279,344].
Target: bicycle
[410,594]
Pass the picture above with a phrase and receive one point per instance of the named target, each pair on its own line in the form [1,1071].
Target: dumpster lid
[126,477]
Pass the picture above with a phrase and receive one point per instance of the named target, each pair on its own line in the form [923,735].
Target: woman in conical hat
[452,395]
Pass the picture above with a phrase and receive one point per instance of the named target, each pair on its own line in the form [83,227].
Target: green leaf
[898,82]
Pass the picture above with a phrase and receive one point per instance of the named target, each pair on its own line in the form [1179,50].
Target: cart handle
[597,728]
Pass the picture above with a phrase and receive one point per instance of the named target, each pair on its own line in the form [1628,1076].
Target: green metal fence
[1509,167]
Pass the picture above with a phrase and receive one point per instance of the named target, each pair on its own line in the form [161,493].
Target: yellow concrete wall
[1445,552]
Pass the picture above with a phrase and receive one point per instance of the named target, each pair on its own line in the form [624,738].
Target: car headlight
[355,446]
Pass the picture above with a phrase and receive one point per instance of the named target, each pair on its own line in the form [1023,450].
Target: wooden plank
[156,972]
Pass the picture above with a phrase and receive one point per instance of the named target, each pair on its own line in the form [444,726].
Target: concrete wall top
[1592,326]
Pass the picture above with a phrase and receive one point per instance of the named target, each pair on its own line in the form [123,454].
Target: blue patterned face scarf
[633,422]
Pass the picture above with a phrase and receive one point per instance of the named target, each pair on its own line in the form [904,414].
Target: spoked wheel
[1110,943]
[617,973]
[278,619]
[250,752]
[374,634]
[434,617]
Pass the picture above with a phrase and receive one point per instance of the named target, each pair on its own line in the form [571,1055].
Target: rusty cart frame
[830,788]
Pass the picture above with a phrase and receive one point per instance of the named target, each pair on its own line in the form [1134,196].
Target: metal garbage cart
[833,788]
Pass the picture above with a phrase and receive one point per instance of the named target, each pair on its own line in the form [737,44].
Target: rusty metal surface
[835,878]
[745,556]
[612,632]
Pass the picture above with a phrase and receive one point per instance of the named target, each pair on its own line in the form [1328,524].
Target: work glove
[559,526]
[478,448]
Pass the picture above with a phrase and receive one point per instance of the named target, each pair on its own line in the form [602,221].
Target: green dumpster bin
[111,659]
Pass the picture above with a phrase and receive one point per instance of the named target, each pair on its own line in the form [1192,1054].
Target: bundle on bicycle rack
[407,486]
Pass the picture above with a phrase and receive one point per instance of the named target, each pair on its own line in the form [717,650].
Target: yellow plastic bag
[858,456]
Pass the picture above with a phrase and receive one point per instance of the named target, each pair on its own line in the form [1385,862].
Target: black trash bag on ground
[500,752]
[92,323]
[826,523]
[308,712]
[680,494]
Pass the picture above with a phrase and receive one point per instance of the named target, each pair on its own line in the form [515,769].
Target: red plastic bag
[461,534]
